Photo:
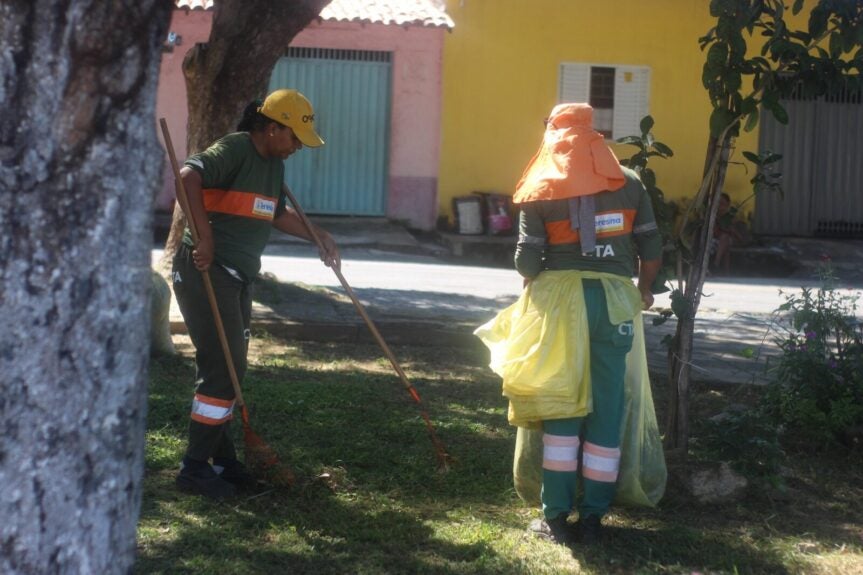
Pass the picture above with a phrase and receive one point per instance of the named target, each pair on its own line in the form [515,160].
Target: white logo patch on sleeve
[264,207]
[612,222]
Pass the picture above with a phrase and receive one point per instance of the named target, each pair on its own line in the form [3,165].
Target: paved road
[735,317]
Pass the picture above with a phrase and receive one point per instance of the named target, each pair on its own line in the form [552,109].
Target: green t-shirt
[242,193]
[625,227]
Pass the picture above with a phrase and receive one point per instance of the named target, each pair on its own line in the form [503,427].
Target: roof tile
[424,13]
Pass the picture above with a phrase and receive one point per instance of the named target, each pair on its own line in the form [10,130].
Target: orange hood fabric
[573,160]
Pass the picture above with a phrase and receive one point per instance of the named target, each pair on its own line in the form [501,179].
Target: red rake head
[262,459]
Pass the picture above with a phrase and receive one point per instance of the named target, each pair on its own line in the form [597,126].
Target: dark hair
[252,120]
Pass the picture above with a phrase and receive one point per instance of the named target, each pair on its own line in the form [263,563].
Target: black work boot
[562,532]
[589,529]
[556,529]
[199,478]
[235,473]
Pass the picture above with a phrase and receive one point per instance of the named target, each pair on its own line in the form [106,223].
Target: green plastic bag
[642,464]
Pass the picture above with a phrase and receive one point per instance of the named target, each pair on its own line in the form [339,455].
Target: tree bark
[680,352]
[79,165]
[233,68]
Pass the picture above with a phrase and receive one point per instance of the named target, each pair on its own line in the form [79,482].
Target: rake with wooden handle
[259,456]
[441,454]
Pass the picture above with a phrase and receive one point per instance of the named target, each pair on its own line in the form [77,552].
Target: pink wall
[416,101]
[193,26]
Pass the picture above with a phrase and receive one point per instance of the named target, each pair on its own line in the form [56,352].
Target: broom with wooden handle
[259,456]
[441,454]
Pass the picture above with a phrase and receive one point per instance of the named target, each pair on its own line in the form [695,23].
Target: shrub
[748,440]
[816,389]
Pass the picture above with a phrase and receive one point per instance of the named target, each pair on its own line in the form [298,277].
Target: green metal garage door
[350,91]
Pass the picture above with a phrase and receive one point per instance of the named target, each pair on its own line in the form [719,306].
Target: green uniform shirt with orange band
[242,193]
[625,227]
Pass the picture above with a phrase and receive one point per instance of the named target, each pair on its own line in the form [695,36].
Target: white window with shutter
[619,95]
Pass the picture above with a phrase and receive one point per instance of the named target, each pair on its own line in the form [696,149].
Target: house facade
[508,62]
[373,72]
[424,101]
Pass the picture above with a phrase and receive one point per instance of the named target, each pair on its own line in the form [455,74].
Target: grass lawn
[369,499]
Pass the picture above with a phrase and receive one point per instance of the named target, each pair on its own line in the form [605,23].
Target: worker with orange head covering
[561,349]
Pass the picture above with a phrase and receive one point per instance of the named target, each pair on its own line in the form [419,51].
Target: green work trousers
[609,345]
[234,300]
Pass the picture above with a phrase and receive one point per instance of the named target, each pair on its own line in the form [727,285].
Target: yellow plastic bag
[642,466]
[537,344]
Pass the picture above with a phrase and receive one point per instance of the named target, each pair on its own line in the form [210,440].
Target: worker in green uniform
[236,197]
[584,223]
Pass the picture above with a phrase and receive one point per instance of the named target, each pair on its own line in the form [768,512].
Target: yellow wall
[501,79]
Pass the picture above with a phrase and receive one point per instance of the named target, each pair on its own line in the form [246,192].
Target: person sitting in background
[725,235]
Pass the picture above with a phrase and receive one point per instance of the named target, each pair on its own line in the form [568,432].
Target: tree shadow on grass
[378,512]
[281,533]
[677,548]
[354,426]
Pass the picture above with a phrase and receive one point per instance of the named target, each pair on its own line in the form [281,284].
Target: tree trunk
[222,76]
[680,352]
[79,165]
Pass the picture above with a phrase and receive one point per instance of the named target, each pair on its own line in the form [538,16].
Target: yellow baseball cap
[292,109]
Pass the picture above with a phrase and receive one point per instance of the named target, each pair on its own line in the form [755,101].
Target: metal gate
[350,91]
[821,166]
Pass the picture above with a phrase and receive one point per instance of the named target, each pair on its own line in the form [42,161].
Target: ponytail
[252,120]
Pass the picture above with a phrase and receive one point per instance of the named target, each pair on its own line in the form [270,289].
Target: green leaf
[751,121]
[733,81]
[801,36]
[738,47]
[798,6]
[648,178]
[717,56]
[760,62]
[719,119]
[835,45]
[646,125]
[630,140]
[720,7]
[707,38]
[708,76]
[849,38]
[747,352]
[779,112]
[680,305]
[771,158]
[818,20]
[752,157]
[663,149]
[748,105]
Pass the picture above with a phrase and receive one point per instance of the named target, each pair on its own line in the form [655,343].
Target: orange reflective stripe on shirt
[246,204]
[608,224]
